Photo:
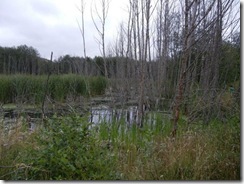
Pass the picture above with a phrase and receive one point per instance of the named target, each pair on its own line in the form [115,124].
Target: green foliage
[13,143]
[70,148]
[230,64]
[199,153]
[58,87]
[68,151]
[5,89]
[27,88]
[98,85]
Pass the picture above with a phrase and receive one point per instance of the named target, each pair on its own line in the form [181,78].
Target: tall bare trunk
[101,31]
[182,75]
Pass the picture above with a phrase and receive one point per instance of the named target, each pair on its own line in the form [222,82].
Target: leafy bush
[68,151]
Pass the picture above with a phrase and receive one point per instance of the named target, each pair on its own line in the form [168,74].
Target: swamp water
[98,114]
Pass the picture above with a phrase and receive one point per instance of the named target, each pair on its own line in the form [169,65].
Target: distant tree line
[22,60]
[125,71]
[26,60]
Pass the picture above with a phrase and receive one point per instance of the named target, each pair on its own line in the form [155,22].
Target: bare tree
[190,25]
[215,27]
[203,24]
[162,42]
[102,16]
[82,27]
[143,16]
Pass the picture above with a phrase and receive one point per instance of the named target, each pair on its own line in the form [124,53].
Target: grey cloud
[25,23]
[44,7]
[43,25]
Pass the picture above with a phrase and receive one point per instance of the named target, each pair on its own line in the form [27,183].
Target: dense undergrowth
[70,148]
[31,89]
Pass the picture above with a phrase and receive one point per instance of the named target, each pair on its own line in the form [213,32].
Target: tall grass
[6,92]
[70,148]
[26,88]
[199,152]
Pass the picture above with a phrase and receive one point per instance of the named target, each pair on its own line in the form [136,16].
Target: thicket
[71,148]
[28,88]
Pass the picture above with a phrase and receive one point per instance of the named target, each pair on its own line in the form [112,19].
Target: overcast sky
[51,25]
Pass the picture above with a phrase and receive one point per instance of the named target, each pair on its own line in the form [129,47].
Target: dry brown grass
[13,142]
[192,156]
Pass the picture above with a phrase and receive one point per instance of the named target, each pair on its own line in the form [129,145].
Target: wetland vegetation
[161,103]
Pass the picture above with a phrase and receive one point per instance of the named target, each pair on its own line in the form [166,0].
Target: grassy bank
[28,88]
[68,148]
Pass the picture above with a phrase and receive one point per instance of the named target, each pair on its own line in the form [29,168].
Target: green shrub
[68,151]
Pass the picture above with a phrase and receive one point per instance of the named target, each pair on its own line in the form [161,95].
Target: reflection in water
[99,114]
[105,114]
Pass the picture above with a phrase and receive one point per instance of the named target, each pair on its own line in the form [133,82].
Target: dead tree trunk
[143,23]
[82,27]
[182,75]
